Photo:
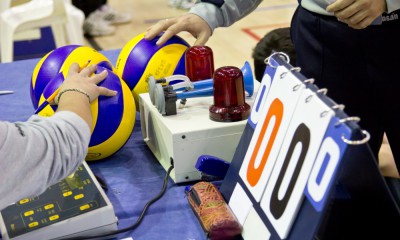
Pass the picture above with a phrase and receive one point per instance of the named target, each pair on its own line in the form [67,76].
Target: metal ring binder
[295,69]
[310,80]
[355,119]
[322,90]
[266,61]
[358,142]
[339,106]
[354,142]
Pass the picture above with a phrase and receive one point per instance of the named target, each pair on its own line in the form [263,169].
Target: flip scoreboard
[303,168]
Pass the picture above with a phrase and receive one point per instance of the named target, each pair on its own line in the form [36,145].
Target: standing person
[53,146]
[100,17]
[349,47]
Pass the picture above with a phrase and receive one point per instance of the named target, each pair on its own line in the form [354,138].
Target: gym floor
[228,50]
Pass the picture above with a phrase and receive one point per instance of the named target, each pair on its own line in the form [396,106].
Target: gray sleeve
[39,152]
[230,12]
[392,5]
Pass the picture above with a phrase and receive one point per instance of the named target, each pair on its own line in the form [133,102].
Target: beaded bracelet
[71,90]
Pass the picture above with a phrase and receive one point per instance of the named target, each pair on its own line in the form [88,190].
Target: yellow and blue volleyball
[59,60]
[113,117]
[140,58]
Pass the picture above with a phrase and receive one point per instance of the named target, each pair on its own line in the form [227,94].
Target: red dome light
[199,63]
[229,96]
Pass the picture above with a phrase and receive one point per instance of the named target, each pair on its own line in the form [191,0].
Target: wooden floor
[231,46]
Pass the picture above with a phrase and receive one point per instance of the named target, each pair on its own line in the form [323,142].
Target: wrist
[74,91]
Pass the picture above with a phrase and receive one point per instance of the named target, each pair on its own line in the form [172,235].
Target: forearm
[39,153]
[224,14]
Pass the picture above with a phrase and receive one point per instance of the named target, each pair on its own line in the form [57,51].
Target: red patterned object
[214,214]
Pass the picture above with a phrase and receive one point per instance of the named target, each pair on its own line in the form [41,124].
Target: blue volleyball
[140,58]
[58,61]
[113,117]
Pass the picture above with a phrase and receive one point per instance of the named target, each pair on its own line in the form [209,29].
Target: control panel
[76,206]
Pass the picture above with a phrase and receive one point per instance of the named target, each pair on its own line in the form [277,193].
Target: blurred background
[231,46]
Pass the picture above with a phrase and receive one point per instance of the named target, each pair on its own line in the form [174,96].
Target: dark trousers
[360,69]
[88,6]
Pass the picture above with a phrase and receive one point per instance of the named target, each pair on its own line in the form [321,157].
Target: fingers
[358,20]
[169,33]
[191,23]
[106,92]
[87,80]
[88,71]
[343,10]
[151,33]
[73,69]
[339,5]
[84,71]
[357,14]
[86,64]
[167,25]
[202,39]
[157,28]
[361,24]
[199,42]
[97,78]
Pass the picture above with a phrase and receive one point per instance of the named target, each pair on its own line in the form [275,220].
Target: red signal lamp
[229,96]
[199,63]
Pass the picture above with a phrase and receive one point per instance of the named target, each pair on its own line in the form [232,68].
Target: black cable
[138,221]
[102,183]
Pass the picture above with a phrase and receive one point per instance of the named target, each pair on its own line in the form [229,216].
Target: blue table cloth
[133,175]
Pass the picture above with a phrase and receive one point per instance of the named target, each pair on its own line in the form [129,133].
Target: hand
[357,14]
[77,87]
[191,23]
[86,81]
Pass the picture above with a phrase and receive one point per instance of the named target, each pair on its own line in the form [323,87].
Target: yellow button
[23,201]
[28,213]
[49,206]
[33,224]
[84,207]
[66,194]
[54,217]
[79,196]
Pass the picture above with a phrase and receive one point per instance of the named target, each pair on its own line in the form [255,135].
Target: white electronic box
[183,137]
[76,206]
